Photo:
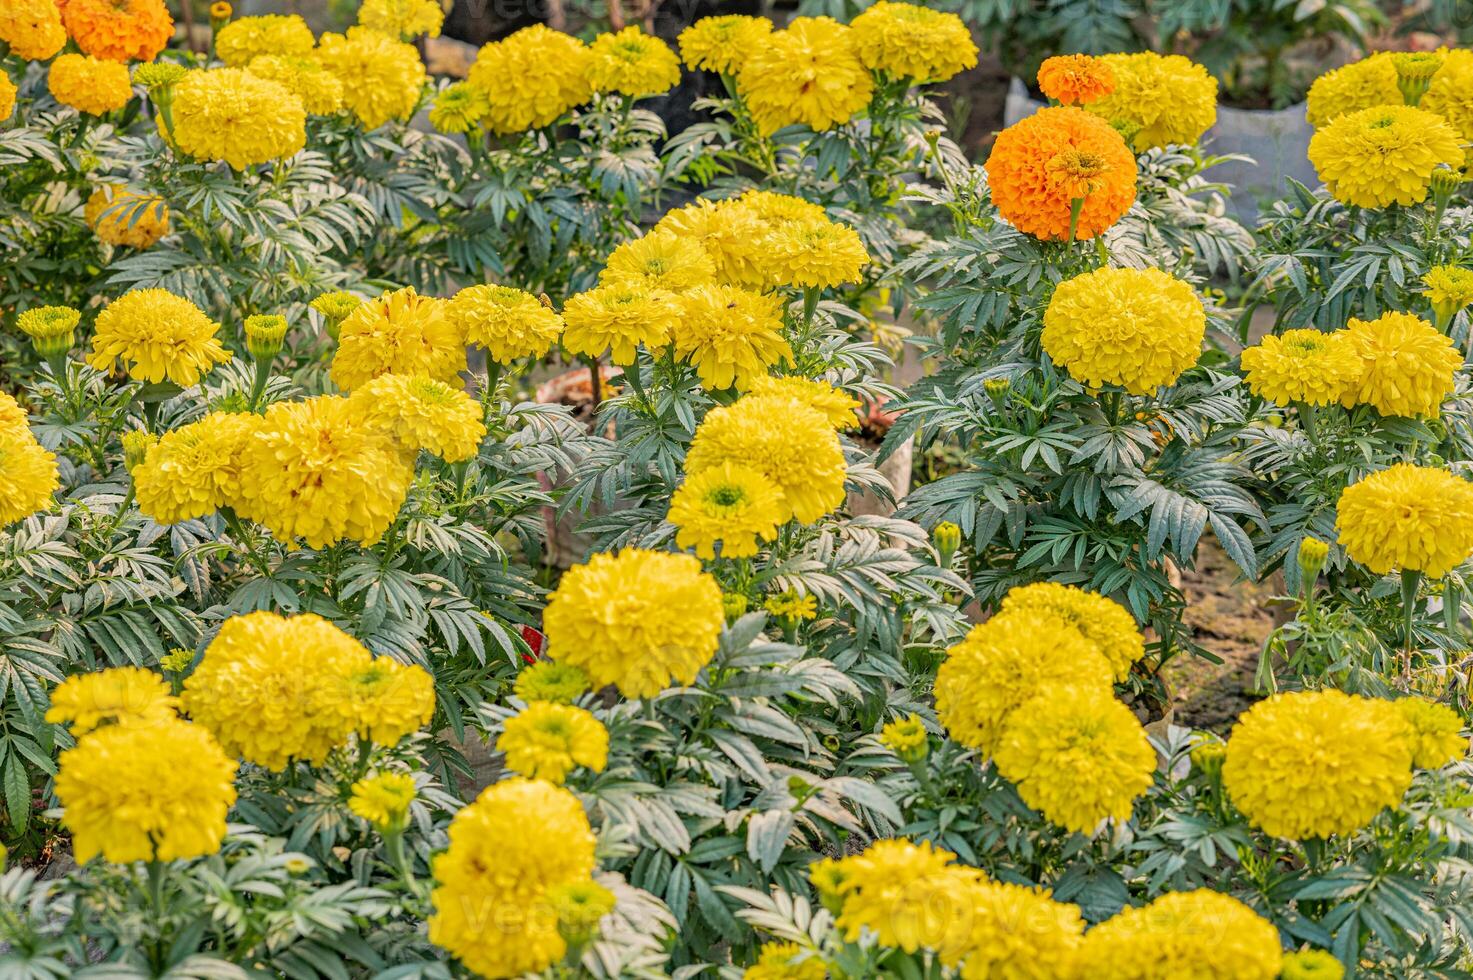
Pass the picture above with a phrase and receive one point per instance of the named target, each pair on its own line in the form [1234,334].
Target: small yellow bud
[136,444]
[264,335]
[52,329]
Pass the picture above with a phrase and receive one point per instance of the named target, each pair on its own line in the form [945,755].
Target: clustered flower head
[1384,155]
[382,77]
[89,84]
[531,78]
[808,73]
[1408,365]
[1450,92]
[305,77]
[837,406]
[459,108]
[32,29]
[28,471]
[1435,732]
[384,800]
[115,696]
[509,323]
[619,318]
[1198,933]
[195,469]
[401,332]
[121,217]
[913,42]
[722,44]
[243,40]
[547,740]
[731,335]
[785,961]
[8,92]
[1075,79]
[1363,84]
[1302,366]
[1106,623]
[1162,99]
[158,336]
[1449,290]
[1311,964]
[1407,518]
[403,19]
[118,30]
[548,680]
[423,414]
[660,259]
[729,503]
[234,116]
[632,63]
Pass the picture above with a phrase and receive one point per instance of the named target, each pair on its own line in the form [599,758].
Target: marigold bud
[734,605]
[136,444]
[1312,556]
[52,329]
[947,538]
[907,739]
[335,308]
[1209,757]
[264,334]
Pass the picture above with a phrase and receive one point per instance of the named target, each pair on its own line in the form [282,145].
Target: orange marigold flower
[1040,166]
[118,30]
[1075,79]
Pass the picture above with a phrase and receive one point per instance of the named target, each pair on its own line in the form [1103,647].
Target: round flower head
[382,77]
[231,115]
[1136,328]
[241,41]
[334,308]
[814,254]
[723,44]
[32,28]
[422,413]
[913,42]
[145,792]
[493,877]
[13,418]
[1311,964]
[1382,156]
[1408,366]
[636,620]
[1040,166]
[89,84]
[115,696]
[398,333]
[1020,933]
[1163,99]
[1317,763]
[52,329]
[1449,290]
[1306,366]
[618,317]
[270,688]
[318,470]
[785,961]
[194,470]
[1075,79]
[790,444]
[28,475]
[1198,933]
[531,78]
[728,503]
[387,700]
[1076,755]
[118,30]
[160,336]
[321,91]
[459,108]
[910,896]
[403,19]
[548,680]
[1007,661]
[509,323]
[838,407]
[1436,732]
[632,63]
[121,217]
[791,606]
[731,335]
[548,740]
[726,230]
[1451,92]
[1363,84]
[1106,623]
[8,92]
[1407,518]
[383,800]
[660,260]
[808,73]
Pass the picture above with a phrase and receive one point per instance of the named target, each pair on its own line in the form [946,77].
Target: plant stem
[1410,580]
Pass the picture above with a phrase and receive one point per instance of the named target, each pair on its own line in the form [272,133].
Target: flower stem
[1410,580]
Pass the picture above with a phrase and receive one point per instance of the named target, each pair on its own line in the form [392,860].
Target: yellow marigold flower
[725,230]
[786,441]
[423,413]
[1006,661]
[816,254]
[1451,93]
[7,97]
[1407,517]
[398,333]
[731,335]
[145,792]
[320,90]
[660,260]
[459,108]
[509,323]
[1198,933]
[117,696]
[548,680]
[270,688]
[1020,933]
[118,30]
[1076,755]
[1449,290]
[633,63]
[722,44]
[531,78]
[318,470]
[52,329]
[494,875]
[1408,366]
[12,417]
[907,738]
[728,503]
[1307,366]
[242,41]
[404,19]
[619,317]
[1075,79]
[1104,622]
[32,28]
[28,475]
[809,73]
[1436,732]
[159,75]
[232,115]
[547,740]
[792,606]
[1163,98]
[838,407]
[785,961]
[1310,964]
[1042,165]
[389,700]
[1382,156]
[121,217]
[159,336]
[908,41]
[1136,328]
[195,469]
[910,896]
[1360,85]
[89,84]
[383,800]
[637,620]
[1316,763]
[382,76]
